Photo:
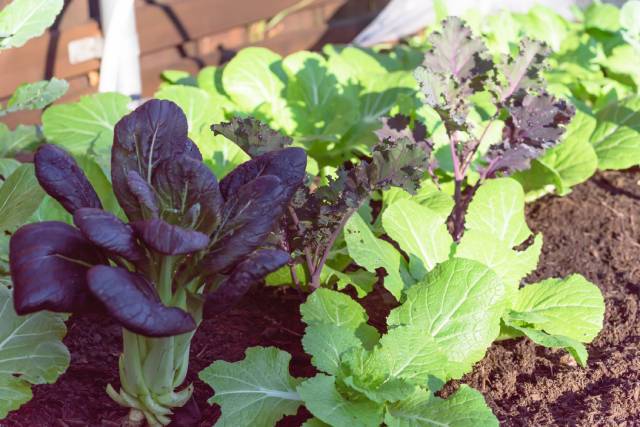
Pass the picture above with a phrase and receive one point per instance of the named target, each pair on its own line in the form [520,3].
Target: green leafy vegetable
[22,20]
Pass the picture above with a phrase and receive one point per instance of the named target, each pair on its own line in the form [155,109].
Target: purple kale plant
[456,69]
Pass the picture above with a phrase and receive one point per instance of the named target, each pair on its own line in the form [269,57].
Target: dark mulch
[594,231]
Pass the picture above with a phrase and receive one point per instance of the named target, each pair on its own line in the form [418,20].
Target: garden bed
[594,231]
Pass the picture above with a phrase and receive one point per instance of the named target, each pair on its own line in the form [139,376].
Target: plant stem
[165,279]
[317,271]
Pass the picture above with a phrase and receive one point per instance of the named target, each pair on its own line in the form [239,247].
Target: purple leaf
[453,70]
[253,136]
[246,274]
[523,72]
[455,52]
[169,239]
[156,131]
[49,262]
[535,124]
[399,127]
[108,232]
[248,216]
[61,177]
[144,195]
[288,164]
[188,194]
[133,301]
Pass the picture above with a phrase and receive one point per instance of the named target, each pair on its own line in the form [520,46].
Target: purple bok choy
[191,247]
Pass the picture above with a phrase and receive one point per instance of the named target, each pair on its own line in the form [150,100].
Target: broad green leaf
[20,196]
[210,80]
[361,280]
[326,342]
[324,401]
[85,126]
[498,209]
[372,253]
[197,106]
[572,307]
[34,96]
[101,183]
[510,265]
[325,306]
[31,352]
[223,156]
[7,166]
[421,234]
[320,110]
[354,64]
[256,391]
[502,32]
[447,322]
[465,408]
[254,80]
[602,16]
[439,202]
[22,138]
[51,210]
[616,138]
[14,393]
[543,23]
[22,20]
[575,348]
[630,22]
[179,77]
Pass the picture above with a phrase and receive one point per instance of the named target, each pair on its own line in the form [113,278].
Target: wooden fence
[180,34]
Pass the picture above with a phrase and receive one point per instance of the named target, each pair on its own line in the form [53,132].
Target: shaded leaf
[188,194]
[248,216]
[61,177]
[245,275]
[133,301]
[169,239]
[105,230]
[85,126]
[20,196]
[49,262]
[288,164]
[31,352]
[156,131]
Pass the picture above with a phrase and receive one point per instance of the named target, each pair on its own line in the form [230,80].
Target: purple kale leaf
[252,135]
[455,68]
[535,123]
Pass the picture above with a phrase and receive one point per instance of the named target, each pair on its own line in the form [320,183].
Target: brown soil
[594,231]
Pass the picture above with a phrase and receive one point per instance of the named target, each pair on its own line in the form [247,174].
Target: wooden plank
[171,24]
[45,57]
[75,12]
